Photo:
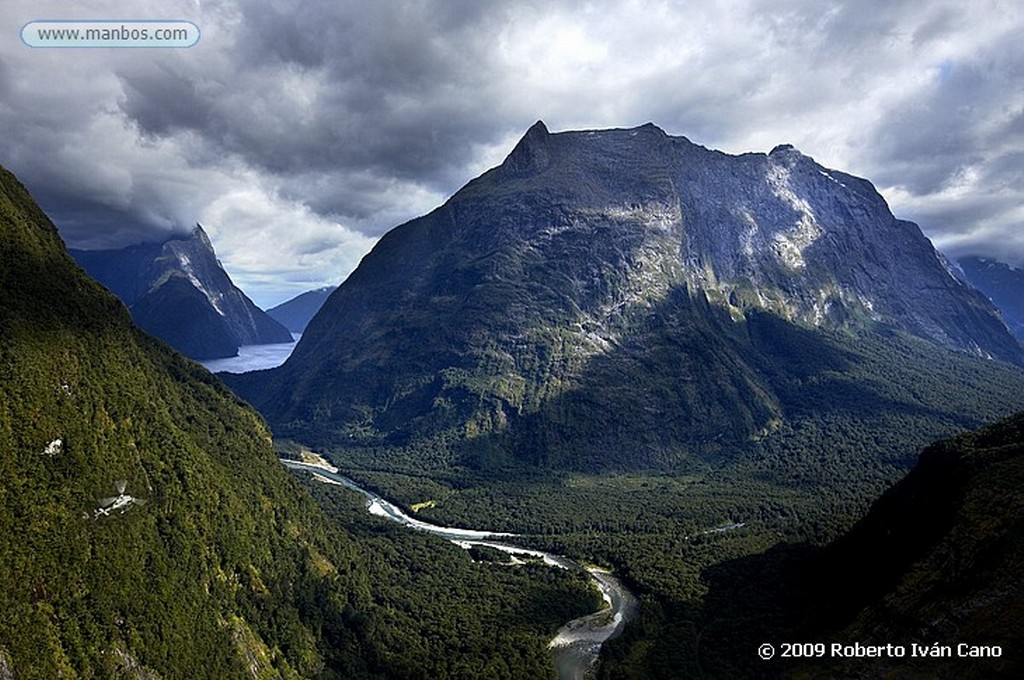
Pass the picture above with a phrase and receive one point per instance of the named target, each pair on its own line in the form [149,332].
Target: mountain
[1004,286]
[295,314]
[624,298]
[178,291]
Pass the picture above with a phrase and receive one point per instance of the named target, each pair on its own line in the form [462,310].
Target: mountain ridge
[296,313]
[1003,284]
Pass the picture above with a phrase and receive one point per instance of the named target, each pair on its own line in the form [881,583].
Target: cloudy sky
[298,131]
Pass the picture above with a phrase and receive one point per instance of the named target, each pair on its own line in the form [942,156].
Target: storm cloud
[299,131]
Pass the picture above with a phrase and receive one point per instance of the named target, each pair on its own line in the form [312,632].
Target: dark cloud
[393,88]
[169,100]
[959,121]
[95,225]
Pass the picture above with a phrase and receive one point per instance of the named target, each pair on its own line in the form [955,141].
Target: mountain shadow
[934,563]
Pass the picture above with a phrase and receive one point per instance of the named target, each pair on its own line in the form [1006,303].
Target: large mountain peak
[199,234]
[537,129]
[783,150]
[565,153]
[593,255]
[530,155]
[776,231]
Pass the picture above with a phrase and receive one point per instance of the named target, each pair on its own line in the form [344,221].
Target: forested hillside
[204,578]
[935,564]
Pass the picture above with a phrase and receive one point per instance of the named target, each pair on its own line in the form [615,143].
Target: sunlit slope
[213,563]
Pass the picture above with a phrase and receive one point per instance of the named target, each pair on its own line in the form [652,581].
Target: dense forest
[724,560]
[680,538]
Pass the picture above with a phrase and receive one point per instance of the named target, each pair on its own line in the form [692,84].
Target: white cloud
[274,248]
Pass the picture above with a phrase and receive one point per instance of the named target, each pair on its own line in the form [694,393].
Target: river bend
[577,645]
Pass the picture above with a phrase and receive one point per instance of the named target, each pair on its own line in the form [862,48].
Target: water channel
[577,645]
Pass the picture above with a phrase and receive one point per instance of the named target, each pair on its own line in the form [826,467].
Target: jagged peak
[538,128]
[200,234]
[790,156]
[651,127]
[530,155]
[195,239]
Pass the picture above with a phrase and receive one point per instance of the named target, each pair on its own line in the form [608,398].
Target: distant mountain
[178,291]
[1003,284]
[295,314]
[624,298]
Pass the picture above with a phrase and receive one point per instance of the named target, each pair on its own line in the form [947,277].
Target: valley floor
[663,534]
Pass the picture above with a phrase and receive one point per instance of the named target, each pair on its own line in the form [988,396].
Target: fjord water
[577,644]
[254,357]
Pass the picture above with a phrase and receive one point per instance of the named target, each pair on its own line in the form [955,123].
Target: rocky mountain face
[626,288]
[1002,284]
[178,291]
[295,314]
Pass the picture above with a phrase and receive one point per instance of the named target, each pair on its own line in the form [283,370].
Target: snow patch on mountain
[186,266]
[789,245]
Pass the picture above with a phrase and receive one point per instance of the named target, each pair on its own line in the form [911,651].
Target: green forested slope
[203,580]
[939,558]
[229,569]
